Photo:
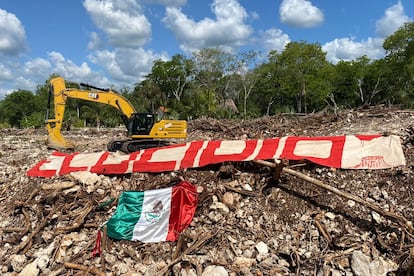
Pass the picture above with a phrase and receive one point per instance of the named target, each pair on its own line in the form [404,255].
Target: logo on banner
[372,162]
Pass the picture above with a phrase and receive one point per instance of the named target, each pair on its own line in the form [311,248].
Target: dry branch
[323,231]
[85,268]
[402,221]
[79,220]
[198,243]
[243,192]
[22,231]
[44,222]
[11,229]
[58,186]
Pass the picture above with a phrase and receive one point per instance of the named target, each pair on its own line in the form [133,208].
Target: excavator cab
[140,124]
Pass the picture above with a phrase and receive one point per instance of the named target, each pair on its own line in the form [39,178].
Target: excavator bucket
[55,140]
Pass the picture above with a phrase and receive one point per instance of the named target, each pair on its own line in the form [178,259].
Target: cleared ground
[289,226]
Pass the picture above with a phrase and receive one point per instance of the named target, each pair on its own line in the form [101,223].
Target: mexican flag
[153,215]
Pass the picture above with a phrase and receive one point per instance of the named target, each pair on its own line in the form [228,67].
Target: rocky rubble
[246,223]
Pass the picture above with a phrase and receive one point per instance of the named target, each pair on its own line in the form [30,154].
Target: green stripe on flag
[121,225]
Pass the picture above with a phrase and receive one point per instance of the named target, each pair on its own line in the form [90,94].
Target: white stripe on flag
[155,215]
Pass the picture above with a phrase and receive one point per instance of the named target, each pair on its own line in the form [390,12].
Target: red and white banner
[347,152]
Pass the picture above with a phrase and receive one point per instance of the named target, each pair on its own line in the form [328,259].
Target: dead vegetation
[253,218]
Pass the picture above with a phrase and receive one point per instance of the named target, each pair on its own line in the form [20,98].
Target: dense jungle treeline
[216,83]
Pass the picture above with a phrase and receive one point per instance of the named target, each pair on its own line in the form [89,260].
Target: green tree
[399,60]
[297,79]
[168,82]
[270,95]
[249,76]
[172,76]
[356,82]
[3,116]
[147,94]
[18,107]
[217,77]
[305,74]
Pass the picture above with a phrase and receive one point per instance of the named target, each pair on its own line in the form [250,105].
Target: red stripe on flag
[183,206]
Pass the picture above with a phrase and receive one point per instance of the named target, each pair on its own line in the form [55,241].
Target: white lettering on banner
[199,153]
[256,150]
[280,147]
[175,154]
[55,162]
[81,160]
[115,159]
[230,147]
[314,148]
[118,159]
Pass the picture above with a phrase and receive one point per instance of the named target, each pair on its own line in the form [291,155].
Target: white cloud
[68,69]
[19,82]
[37,67]
[5,92]
[167,2]
[26,83]
[13,36]
[274,39]
[94,42]
[5,73]
[300,13]
[227,29]
[392,20]
[27,75]
[121,20]
[254,15]
[126,66]
[347,49]
[17,74]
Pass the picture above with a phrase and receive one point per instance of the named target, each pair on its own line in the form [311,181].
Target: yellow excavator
[144,130]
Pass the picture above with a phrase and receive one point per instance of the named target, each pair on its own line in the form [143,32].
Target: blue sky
[114,42]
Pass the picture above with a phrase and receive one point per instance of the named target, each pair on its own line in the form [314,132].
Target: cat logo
[94,96]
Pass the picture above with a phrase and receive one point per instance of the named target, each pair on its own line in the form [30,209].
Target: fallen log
[402,221]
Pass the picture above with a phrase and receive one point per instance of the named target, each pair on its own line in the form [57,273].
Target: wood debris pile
[253,218]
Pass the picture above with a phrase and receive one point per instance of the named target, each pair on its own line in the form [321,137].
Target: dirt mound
[247,221]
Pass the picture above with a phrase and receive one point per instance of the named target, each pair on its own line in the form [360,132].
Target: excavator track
[115,145]
[129,146]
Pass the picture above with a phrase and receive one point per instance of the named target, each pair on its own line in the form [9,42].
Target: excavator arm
[140,126]
[60,94]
